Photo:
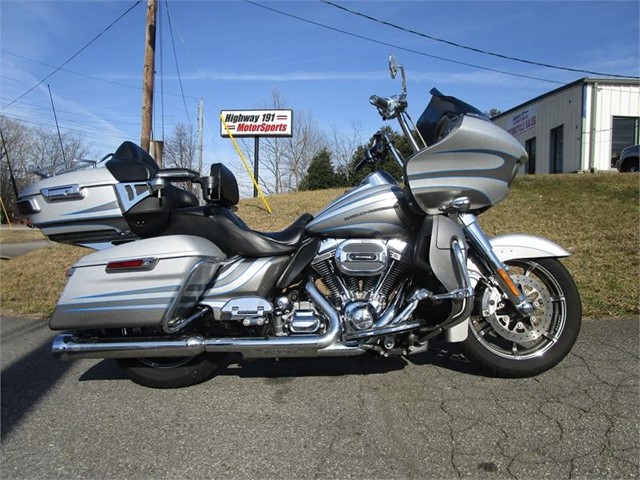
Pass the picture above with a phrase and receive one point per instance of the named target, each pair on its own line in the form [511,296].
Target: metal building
[578,127]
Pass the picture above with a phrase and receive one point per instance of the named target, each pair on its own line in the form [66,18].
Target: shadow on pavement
[107,369]
[447,356]
[25,382]
[438,355]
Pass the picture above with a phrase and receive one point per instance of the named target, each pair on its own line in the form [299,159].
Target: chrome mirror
[393,66]
[393,70]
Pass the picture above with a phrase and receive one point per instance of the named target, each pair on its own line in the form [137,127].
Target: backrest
[130,164]
[222,187]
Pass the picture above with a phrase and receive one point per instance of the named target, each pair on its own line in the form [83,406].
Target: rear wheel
[506,344]
[170,372]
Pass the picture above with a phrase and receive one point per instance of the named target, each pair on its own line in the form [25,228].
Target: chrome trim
[483,246]
[388,330]
[240,308]
[33,205]
[172,325]
[350,262]
[129,195]
[63,192]
[68,347]
[305,321]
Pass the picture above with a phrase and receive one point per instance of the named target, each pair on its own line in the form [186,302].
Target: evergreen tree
[320,174]
[389,165]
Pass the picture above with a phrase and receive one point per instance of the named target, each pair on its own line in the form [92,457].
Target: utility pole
[200,126]
[148,74]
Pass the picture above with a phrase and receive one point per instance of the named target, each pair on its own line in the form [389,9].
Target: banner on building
[523,121]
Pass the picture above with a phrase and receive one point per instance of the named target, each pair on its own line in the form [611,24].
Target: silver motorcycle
[174,286]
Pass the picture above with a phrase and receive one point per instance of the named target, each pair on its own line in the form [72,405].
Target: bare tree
[308,140]
[344,143]
[272,151]
[284,161]
[180,148]
[46,148]
[30,149]
[180,152]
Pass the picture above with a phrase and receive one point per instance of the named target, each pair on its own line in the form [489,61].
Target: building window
[624,132]
[530,147]
[556,144]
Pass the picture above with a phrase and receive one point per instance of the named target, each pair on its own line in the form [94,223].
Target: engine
[362,276]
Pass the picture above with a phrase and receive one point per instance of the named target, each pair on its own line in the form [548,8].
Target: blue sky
[232,54]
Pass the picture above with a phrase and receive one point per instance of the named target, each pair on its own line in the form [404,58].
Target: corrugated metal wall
[572,108]
[612,101]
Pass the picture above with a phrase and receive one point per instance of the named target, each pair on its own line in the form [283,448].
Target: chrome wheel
[509,344]
[505,332]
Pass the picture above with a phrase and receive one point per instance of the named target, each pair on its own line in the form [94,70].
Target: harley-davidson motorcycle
[387,266]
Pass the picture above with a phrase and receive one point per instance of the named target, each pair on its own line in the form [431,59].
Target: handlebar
[389,107]
[375,152]
[380,102]
[178,175]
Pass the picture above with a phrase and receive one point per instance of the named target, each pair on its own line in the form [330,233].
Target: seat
[217,222]
[232,235]
[292,234]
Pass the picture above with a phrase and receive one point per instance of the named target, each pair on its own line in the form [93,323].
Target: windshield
[439,113]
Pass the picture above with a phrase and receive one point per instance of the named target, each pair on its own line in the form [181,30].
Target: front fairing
[477,159]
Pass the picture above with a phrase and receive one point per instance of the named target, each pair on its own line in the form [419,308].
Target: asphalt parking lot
[429,416]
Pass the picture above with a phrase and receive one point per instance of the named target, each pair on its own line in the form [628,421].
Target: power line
[98,134]
[197,69]
[75,54]
[387,44]
[175,56]
[473,49]
[80,114]
[92,77]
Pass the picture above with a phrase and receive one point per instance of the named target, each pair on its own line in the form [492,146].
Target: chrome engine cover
[362,257]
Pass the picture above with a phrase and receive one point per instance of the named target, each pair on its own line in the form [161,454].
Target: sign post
[256,164]
[256,123]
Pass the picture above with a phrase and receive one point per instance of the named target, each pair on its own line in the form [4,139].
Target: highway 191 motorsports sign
[257,123]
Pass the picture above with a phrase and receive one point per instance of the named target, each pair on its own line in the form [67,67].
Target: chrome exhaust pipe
[68,347]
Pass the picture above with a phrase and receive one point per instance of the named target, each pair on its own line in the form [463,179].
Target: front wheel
[504,343]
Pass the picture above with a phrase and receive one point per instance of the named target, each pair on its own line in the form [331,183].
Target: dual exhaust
[69,347]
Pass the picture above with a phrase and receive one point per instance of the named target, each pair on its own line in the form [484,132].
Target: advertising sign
[523,121]
[257,123]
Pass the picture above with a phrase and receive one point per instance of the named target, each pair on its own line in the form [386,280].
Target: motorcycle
[174,286]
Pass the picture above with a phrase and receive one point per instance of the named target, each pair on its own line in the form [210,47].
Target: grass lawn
[595,217]
[20,235]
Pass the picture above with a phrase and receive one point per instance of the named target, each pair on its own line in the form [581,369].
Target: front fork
[499,270]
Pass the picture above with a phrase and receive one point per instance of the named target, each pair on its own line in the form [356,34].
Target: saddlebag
[147,283]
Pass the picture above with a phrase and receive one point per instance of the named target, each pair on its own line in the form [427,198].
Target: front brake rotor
[510,325]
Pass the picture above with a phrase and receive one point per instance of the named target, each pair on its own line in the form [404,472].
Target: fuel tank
[374,209]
